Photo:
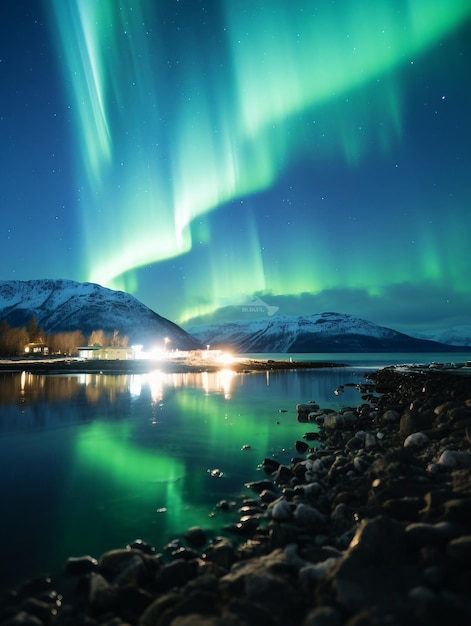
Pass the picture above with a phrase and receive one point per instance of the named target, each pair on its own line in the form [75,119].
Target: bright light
[225,382]
[226,358]
[156,353]
[137,351]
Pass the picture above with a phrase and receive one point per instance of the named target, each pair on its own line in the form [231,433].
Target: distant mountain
[455,335]
[321,332]
[64,305]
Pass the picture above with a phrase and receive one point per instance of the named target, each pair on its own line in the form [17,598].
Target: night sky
[204,155]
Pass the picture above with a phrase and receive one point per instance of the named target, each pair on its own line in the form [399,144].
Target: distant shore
[75,365]
[56,365]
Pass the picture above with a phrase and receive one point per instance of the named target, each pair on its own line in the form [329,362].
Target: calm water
[91,462]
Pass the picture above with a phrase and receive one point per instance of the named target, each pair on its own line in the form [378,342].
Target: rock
[102,596]
[260,485]
[309,517]
[323,616]
[311,436]
[222,552]
[143,546]
[301,446]
[41,609]
[340,514]
[309,489]
[270,582]
[185,554]
[34,586]
[373,570]
[195,607]
[243,528]
[23,618]
[267,495]
[390,417]
[404,509]
[380,540]
[416,440]
[370,441]
[176,574]
[133,600]
[163,603]
[270,465]
[455,458]
[307,408]
[337,421]
[315,467]
[248,614]
[114,562]
[354,443]
[79,565]
[311,573]
[120,566]
[281,511]
[458,510]
[413,421]
[283,475]
[458,413]
[225,505]
[195,537]
[444,407]
[460,549]
[422,534]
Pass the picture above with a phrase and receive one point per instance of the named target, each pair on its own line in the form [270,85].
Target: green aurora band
[173,124]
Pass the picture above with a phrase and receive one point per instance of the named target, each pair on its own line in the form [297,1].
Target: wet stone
[196,537]
[77,566]
[460,549]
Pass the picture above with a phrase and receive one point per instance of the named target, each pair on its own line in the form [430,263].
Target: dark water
[91,462]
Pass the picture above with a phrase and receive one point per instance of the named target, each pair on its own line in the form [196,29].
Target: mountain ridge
[319,332]
[63,305]
[454,335]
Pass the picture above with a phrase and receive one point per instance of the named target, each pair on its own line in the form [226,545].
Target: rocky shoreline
[370,524]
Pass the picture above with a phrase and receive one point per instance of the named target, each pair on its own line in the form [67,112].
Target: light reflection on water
[90,462]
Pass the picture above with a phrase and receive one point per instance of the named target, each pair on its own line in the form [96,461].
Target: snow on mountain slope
[64,305]
[455,335]
[321,332]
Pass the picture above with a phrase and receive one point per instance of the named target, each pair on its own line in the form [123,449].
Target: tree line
[13,341]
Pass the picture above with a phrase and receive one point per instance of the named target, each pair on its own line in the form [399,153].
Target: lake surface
[91,462]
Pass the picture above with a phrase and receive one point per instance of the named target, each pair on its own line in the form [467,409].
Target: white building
[106,353]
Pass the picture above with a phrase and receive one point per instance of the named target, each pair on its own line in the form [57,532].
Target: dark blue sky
[203,155]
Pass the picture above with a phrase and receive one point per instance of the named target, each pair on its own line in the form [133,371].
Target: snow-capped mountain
[65,305]
[321,332]
[455,335]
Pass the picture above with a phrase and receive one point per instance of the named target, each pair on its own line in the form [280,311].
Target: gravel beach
[369,524]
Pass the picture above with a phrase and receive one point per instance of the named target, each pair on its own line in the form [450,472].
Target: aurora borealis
[205,154]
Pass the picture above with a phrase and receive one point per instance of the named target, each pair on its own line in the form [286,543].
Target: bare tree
[12,340]
[97,338]
[66,342]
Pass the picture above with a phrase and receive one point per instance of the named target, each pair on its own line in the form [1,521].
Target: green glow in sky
[168,131]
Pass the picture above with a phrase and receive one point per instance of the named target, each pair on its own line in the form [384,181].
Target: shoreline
[76,365]
[172,366]
[369,524]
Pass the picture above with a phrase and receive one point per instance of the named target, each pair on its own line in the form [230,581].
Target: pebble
[455,458]
[416,440]
[281,511]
